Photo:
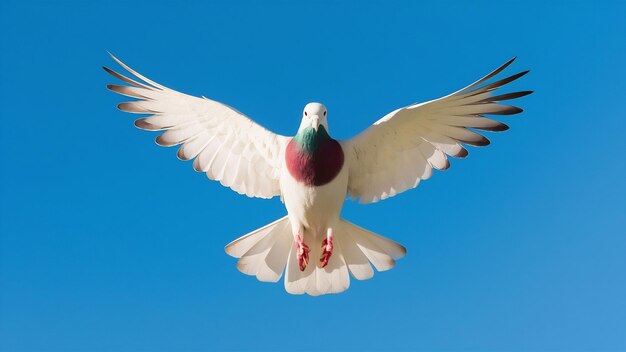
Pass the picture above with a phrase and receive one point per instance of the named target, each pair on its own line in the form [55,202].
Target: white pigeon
[313,173]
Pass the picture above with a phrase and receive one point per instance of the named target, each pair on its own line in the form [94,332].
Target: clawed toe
[327,251]
[302,251]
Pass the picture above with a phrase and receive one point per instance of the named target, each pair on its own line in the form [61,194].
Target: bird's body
[314,173]
[314,181]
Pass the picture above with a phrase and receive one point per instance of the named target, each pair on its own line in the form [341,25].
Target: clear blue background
[109,243]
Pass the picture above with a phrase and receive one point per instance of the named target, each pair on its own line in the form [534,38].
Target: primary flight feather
[313,173]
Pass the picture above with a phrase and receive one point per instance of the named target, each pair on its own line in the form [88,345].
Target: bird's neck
[309,140]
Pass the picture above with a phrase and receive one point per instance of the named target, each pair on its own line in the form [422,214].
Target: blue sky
[109,243]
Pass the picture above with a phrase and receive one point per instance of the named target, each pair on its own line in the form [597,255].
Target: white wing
[402,148]
[227,145]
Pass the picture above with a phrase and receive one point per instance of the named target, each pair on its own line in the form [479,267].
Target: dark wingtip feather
[130,107]
[516,95]
[143,124]
[510,61]
[483,142]
[447,165]
[160,140]
[507,96]
[498,128]
[196,165]
[180,154]
[491,74]
[506,110]
[501,68]
[127,91]
[514,110]
[124,78]
[479,143]
[504,81]
[119,90]
[110,71]
[462,154]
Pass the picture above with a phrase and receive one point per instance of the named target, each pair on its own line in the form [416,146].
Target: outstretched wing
[402,148]
[226,145]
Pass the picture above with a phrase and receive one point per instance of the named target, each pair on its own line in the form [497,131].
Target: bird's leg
[302,250]
[327,248]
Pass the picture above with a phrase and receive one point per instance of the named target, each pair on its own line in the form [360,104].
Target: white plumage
[224,143]
[401,148]
[390,157]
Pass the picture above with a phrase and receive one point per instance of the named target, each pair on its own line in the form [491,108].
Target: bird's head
[314,115]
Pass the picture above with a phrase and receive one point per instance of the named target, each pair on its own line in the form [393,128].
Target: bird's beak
[315,122]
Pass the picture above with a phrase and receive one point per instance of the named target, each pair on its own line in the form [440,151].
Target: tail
[267,251]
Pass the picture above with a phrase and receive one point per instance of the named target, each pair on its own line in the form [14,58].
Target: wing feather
[225,144]
[401,149]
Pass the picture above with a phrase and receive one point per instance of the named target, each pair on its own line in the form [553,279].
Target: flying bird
[313,173]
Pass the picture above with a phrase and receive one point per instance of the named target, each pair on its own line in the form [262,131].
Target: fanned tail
[267,251]
[264,251]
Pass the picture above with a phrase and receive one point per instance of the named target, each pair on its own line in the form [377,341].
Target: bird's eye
[324,113]
[305,114]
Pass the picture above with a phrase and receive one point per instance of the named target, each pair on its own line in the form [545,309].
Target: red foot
[327,250]
[302,250]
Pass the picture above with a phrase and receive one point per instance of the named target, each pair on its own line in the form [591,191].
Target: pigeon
[314,174]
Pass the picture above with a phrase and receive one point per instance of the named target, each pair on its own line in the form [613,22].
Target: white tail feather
[266,252]
[263,252]
[240,246]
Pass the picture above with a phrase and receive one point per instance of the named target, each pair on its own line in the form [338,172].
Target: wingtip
[228,249]
[143,124]
[463,153]
[180,154]
[160,140]
[121,63]
[506,64]
[500,128]
[483,142]
[511,60]
[113,56]
[133,107]
[198,168]
[403,252]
